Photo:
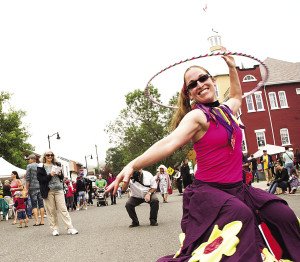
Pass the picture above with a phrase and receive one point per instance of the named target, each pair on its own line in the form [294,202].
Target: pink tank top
[217,161]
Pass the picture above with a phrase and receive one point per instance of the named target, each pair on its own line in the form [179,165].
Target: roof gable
[282,71]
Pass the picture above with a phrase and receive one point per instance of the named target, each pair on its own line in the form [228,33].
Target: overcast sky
[69,64]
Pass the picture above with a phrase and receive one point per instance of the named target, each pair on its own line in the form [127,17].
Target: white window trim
[298,91]
[274,108]
[249,111]
[253,79]
[287,105]
[262,101]
[260,131]
[288,135]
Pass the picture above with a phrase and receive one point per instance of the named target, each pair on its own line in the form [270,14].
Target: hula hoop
[259,85]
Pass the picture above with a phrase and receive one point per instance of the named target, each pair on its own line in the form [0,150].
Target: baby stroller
[101,197]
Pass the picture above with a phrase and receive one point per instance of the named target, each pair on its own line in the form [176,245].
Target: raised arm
[235,90]
[187,128]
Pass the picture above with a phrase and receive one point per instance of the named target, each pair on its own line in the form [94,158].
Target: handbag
[170,190]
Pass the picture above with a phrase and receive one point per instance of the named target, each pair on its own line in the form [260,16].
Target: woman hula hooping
[221,214]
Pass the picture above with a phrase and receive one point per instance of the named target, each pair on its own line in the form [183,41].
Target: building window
[282,99]
[259,101]
[250,104]
[298,91]
[273,100]
[284,135]
[249,78]
[260,137]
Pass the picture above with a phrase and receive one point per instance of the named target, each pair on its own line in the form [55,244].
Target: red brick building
[271,115]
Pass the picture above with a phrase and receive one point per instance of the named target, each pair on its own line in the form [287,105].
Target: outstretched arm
[235,90]
[187,128]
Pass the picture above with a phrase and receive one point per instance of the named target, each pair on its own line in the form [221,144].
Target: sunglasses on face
[49,155]
[201,79]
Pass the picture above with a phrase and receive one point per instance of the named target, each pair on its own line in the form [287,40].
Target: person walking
[178,178]
[50,178]
[288,159]
[220,212]
[20,205]
[90,191]
[69,195]
[266,161]
[164,182]
[185,173]
[253,167]
[15,186]
[110,180]
[33,188]
[81,189]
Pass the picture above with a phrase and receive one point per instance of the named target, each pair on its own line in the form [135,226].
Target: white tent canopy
[6,168]
[271,150]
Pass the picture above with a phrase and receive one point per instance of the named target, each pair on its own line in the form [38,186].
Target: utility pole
[98,166]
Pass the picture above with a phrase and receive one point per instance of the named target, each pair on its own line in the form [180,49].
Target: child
[293,181]
[69,195]
[20,206]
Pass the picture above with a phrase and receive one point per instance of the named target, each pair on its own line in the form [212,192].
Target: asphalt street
[104,235]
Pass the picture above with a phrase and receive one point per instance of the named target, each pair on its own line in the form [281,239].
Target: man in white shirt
[288,158]
[142,186]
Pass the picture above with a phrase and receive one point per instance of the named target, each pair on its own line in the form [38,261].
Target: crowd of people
[44,191]
[279,170]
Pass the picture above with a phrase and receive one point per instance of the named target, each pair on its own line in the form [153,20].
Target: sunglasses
[49,155]
[201,79]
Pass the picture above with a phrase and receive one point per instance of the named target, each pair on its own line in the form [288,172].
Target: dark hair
[287,148]
[293,171]
[136,176]
[16,174]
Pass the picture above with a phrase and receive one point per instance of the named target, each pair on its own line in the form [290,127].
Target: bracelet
[149,193]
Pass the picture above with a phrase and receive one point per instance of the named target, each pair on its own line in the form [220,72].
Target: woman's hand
[124,176]
[229,61]
[52,173]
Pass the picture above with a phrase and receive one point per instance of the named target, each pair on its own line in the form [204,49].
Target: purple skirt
[208,204]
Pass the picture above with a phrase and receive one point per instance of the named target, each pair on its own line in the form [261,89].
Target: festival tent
[6,168]
[271,150]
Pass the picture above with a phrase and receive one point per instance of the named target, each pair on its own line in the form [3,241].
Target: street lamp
[91,157]
[57,137]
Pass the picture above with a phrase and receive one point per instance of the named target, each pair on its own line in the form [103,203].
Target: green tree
[13,135]
[137,127]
